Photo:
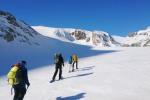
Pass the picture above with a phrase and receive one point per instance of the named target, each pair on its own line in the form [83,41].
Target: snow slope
[100,77]
[140,38]
[57,33]
[119,39]
[79,36]
[14,30]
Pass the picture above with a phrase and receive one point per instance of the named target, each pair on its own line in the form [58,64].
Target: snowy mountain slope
[54,32]
[140,38]
[24,43]
[14,30]
[18,41]
[99,77]
[119,39]
[98,38]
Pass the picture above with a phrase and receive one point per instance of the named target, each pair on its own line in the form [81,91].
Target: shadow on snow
[74,97]
[79,75]
[42,55]
[85,68]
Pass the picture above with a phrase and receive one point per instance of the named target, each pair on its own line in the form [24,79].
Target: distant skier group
[18,74]
[59,62]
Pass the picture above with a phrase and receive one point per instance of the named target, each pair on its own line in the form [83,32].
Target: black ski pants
[58,67]
[20,92]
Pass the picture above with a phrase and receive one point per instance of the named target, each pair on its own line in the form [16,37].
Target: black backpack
[19,75]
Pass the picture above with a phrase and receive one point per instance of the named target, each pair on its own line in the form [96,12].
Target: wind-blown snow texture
[120,75]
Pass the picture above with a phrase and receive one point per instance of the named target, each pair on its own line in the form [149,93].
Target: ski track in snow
[122,75]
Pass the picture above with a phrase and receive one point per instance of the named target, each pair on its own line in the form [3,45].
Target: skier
[75,61]
[19,71]
[70,63]
[59,62]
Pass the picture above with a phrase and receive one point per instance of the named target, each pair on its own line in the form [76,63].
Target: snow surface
[57,33]
[119,39]
[120,74]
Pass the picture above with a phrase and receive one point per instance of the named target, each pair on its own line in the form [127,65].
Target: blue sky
[117,17]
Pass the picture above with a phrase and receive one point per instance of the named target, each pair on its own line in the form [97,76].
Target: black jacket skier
[22,77]
[59,62]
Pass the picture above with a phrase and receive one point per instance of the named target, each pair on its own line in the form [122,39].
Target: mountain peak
[12,29]
[80,36]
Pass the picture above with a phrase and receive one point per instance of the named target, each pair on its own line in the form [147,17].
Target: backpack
[74,58]
[12,80]
[56,58]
